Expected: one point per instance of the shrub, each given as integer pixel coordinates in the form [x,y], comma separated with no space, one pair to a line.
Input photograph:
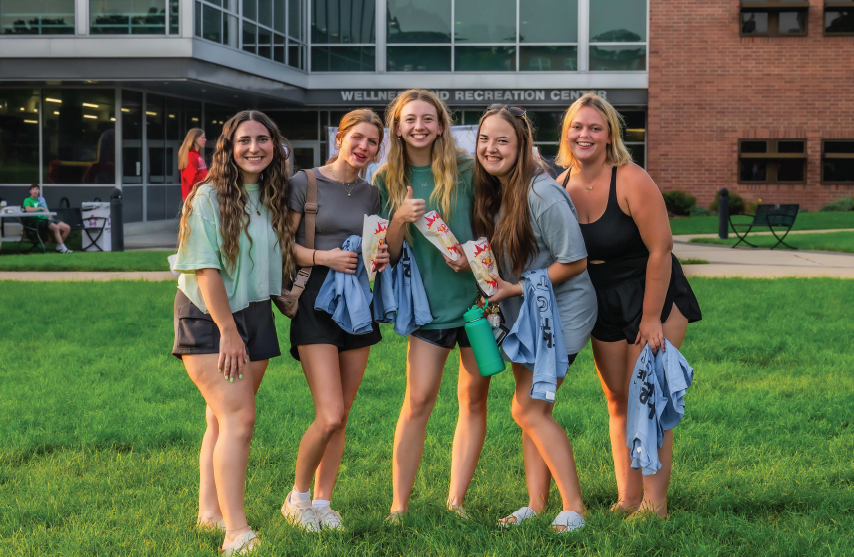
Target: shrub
[678,202]
[697,211]
[844,204]
[736,204]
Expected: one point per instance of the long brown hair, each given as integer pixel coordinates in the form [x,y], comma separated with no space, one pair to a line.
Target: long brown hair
[350,121]
[226,178]
[189,142]
[512,236]
[445,154]
[616,153]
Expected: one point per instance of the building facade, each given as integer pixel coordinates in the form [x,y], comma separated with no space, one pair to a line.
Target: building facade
[96,94]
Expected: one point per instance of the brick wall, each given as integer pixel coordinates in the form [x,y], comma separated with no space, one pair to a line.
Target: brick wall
[708,87]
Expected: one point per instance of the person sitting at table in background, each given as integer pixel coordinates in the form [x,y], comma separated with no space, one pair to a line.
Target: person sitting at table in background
[191,163]
[35,203]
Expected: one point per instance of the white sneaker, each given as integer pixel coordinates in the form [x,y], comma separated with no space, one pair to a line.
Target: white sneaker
[300,514]
[328,518]
[62,249]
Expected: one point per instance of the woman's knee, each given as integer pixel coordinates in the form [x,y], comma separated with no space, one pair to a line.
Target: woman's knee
[332,422]
[525,415]
[618,402]
[472,402]
[212,422]
[419,406]
[240,424]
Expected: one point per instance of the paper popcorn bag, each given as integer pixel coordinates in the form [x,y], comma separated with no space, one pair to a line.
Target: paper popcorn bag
[482,263]
[374,230]
[438,233]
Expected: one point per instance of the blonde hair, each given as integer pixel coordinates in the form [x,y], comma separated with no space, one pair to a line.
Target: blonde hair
[616,153]
[189,141]
[445,154]
[350,121]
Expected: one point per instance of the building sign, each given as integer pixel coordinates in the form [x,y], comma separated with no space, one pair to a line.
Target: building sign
[456,97]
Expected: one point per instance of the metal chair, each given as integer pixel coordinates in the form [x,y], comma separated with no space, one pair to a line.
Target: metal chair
[782,216]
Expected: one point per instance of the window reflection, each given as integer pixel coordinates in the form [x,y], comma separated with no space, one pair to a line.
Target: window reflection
[131,137]
[752,170]
[485,21]
[617,58]
[621,21]
[548,58]
[547,21]
[419,58]
[25,17]
[484,59]
[841,21]
[793,23]
[127,17]
[19,136]
[342,21]
[79,136]
[419,21]
[343,59]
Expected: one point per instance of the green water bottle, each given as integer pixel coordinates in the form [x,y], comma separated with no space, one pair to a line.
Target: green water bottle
[483,344]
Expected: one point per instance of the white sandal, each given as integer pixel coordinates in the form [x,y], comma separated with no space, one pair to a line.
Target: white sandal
[241,546]
[569,519]
[521,515]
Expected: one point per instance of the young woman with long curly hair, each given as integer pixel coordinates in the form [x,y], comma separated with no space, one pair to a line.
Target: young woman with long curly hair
[234,246]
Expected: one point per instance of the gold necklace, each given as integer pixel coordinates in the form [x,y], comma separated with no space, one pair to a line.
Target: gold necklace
[590,188]
[337,179]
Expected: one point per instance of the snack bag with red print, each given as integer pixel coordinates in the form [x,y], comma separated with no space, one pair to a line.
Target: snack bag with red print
[438,233]
[482,263]
[374,229]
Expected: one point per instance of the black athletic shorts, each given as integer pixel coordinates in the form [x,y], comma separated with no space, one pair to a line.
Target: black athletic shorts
[444,338]
[312,326]
[196,332]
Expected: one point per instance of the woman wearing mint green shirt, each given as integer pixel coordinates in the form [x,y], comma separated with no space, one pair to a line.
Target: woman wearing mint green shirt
[234,246]
[424,171]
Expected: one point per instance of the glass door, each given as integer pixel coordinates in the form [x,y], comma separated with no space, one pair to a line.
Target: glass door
[306,154]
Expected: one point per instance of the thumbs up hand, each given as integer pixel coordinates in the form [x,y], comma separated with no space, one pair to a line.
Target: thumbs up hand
[412,209]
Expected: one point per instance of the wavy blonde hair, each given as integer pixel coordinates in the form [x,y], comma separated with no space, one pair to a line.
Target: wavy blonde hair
[616,153]
[189,141]
[227,180]
[445,154]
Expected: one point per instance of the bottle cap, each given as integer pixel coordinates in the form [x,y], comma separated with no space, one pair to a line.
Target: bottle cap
[473,314]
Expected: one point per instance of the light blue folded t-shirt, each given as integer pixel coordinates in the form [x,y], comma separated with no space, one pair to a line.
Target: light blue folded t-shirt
[400,297]
[347,298]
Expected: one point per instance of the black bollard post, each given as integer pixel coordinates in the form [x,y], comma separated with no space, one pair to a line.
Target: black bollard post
[117,234]
[723,214]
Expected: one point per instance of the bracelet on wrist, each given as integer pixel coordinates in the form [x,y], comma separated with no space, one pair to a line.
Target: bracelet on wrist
[313,254]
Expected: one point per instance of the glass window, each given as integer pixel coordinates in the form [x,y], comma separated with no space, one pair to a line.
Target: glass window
[793,23]
[131,137]
[343,59]
[775,20]
[837,162]
[211,24]
[265,12]
[419,21]
[546,125]
[485,58]
[19,136]
[197,20]
[249,37]
[47,17]
[754,23]
[839,21]
[771,160]
[790,170]
[754,146]
[342,22]
[295,19]
[485,21]
[296,125]
[155,129]
[617,58]
[638,153]
[618,21]
[752,170]
[230,30]
[265,43]
[279,48]
[215,117]
[296,55]
[547,21]
[174,11]
[127,17]
[249,11]
[418,58]
[280,12]
[78,134]
[548,58]
[634,125]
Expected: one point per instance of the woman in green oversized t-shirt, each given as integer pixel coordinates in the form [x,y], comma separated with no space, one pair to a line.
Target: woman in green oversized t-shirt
[235,244]
[425,172]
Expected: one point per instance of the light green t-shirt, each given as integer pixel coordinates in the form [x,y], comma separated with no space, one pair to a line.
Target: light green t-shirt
[30,202]
[257,273]
[449,293]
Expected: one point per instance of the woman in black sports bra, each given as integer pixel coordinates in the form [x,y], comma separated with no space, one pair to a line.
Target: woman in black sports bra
[642,293]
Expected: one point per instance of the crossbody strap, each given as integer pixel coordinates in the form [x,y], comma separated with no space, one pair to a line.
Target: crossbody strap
[310,216]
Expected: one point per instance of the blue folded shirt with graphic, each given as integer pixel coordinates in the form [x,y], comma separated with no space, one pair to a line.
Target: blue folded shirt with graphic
[536,338]
[347,298]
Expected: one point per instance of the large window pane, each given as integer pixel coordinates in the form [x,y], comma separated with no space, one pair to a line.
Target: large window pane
[793,23]
[265,42]
[841,21]
[752,170]
[618,21]
[790,170]
[127,17]
[546,124]
[342,21]
[296,55]
[548,59]
[230,30]
[295,19]
[634,125]
[838,170]
[48,17]
[155,129]
[419,21]
[249,37]
[265,12]
[484,59]
[79,138]
[638,153]
[211,24]
[485,21]
[131,137]
[547,21]
[343,59]
[296,125]
[280,11]
[418,58]
[754,23]
[617,58]
[249,11]
[19,137]
[174,18]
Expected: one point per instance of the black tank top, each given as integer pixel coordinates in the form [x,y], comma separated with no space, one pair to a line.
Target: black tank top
[615,239]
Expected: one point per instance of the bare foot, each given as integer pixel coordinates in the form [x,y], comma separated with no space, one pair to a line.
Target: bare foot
[623,507]
[210,523]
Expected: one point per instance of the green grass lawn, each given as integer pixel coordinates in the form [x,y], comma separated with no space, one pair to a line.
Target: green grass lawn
[805,221]
[85,261]
[101,430]
[825,241]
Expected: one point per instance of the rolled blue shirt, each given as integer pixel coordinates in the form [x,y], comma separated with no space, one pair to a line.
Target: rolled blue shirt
[656,403]
[401,297]
[536,338]
[347,298]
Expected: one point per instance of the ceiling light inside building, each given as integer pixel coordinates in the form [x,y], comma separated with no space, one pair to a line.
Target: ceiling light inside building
[90,116]
[31,121]
[125,110]
[90,105]
[50,100]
